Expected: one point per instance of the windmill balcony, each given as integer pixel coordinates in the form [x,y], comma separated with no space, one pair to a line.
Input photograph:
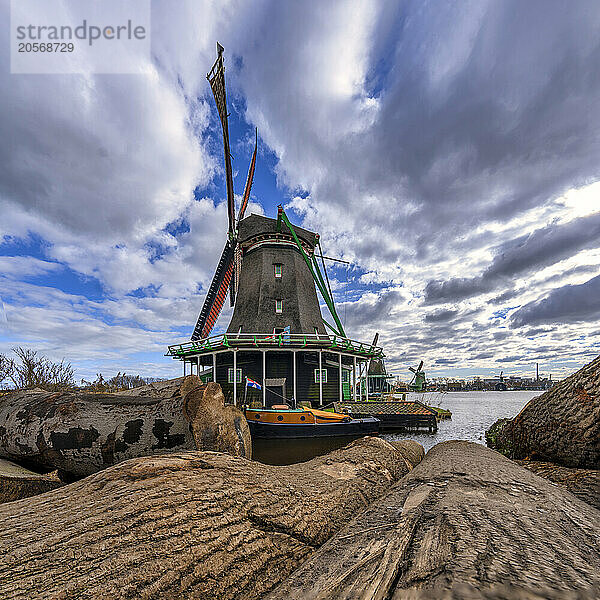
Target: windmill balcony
[284,341]
[290,367]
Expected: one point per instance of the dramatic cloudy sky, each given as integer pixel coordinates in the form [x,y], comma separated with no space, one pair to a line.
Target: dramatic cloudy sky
[449,150]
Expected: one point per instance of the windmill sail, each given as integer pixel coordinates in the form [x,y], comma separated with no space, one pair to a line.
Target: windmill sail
[237,259]
[249,181]
[217,292]
[235,278]
[216,78]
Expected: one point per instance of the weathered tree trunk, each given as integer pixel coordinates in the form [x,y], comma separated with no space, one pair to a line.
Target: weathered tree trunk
[412,451]
[584,483]
[561,426]
[189,525]
[466,518]
[17,483]
[80,434]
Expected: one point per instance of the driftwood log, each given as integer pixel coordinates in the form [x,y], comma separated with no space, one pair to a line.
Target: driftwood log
[584,483]
[560,426]
[17,482]
[412,451]
[79,433]
[188,525]
[465,523]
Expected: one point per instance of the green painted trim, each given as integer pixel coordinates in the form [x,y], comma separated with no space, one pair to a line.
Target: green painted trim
[318,277]
[329,326]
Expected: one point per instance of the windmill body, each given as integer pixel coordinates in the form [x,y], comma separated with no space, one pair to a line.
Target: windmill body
[379,381]
[418,383]
[273,270]
[277,338]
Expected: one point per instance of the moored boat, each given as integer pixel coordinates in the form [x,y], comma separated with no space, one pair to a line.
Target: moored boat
[280,422]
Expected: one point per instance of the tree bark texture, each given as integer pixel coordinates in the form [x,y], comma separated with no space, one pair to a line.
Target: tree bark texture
[561,426]
[412,451]
[17,482]
[466,518]
[80,434]
[186,525]
[584,483]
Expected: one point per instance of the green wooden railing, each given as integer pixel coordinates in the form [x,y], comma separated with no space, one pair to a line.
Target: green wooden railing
[294,341]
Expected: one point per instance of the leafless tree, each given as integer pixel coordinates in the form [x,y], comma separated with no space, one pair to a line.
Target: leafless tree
[32,370]
[6,367]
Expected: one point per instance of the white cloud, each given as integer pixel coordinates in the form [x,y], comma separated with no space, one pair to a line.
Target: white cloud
[422,141]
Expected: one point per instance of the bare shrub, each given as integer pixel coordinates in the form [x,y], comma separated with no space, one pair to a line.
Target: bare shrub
[6,367]
[118,383]
[32,370]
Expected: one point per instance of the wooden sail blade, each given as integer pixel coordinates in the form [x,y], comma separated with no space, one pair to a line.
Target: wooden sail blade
[216,78]
[249,181]
[235,277]
[216,294]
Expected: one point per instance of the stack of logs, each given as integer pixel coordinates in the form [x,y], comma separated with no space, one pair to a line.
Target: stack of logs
[76,434]
[374,520]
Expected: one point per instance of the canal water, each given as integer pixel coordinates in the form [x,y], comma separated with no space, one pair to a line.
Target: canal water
[472,414]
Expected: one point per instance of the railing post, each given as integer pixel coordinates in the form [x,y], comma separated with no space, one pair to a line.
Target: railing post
[235,377]
[264,377]
[354,379]
[340,376]
[294,361]
[214,367]
[320,379]
[360,386]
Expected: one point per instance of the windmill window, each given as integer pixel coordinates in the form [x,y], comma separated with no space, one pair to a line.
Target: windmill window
[345,376]
[323,375]
[230,375]
[278,270]
[278,306]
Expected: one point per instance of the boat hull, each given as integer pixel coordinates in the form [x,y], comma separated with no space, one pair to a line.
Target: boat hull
[351,428]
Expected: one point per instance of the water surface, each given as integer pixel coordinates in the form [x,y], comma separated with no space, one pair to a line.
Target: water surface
[472,414]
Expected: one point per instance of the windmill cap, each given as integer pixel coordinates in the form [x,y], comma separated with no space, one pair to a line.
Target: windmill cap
[257,225]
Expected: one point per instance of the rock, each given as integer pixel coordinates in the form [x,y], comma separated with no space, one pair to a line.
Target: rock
[560,426]
[17,483]
[466,520]
[186,525]
[81,433]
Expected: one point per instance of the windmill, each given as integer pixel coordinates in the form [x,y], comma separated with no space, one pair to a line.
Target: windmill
[227,273]
[501,384]
[417,383]
[378,379]
[277,336]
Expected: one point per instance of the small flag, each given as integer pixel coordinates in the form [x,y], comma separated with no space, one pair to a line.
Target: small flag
[252,384]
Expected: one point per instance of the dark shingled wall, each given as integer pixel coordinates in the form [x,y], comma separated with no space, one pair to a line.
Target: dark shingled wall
[254,309]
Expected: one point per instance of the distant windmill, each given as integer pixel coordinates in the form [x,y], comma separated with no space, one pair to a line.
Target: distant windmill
[417,383]
[501,385]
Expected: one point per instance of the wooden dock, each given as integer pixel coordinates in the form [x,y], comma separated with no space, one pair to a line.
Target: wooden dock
[394,416]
